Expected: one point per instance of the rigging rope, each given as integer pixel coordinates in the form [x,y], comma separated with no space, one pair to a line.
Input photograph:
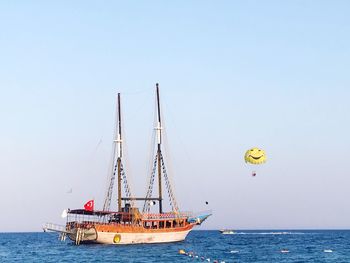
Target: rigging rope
[146,206]
[171,194]
[107,203]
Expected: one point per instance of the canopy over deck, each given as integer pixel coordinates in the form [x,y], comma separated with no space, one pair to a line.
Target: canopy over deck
[92,213]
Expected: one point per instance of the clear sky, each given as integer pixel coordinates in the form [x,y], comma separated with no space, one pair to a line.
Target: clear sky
[233,75]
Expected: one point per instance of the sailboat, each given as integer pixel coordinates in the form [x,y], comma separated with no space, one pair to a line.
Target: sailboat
[129,224]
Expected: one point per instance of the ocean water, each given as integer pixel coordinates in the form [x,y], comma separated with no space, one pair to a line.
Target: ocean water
[202,246]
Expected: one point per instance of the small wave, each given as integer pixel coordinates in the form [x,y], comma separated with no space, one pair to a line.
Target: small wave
[270,233]
[4,254]
[328,251]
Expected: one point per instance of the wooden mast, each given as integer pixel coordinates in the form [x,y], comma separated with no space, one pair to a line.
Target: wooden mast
[159,138]
[119,150]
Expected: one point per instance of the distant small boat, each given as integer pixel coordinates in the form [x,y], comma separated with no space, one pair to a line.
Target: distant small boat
[284,251]
[328,251]
[227,232]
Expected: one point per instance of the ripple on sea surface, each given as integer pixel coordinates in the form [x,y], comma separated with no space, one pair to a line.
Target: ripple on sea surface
[249,246]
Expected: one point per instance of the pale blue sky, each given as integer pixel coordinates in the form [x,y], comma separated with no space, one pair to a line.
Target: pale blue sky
[233,74]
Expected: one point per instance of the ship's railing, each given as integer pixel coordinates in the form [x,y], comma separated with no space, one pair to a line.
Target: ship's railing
[83,218]
[54,228]
[172,215]
[124,216]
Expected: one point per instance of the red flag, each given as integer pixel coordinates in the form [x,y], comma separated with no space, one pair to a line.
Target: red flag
[89,206]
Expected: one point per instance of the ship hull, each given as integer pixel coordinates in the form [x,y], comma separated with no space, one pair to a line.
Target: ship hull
[124,238]
[140,238]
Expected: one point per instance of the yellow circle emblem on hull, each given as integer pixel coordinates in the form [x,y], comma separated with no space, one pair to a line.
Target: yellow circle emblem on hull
[116,239]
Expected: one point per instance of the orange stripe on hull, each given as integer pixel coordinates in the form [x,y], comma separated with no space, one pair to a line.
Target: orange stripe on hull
[118,228]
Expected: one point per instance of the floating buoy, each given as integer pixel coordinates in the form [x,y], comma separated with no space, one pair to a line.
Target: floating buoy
[182,252]
[192,254]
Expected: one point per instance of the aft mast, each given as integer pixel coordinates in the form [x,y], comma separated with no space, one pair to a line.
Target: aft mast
[159,153]
[159,169]
[119,155]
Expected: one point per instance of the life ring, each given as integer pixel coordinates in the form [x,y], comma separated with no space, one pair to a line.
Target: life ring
[117,238]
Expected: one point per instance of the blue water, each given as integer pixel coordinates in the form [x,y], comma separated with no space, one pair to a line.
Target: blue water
[245,246]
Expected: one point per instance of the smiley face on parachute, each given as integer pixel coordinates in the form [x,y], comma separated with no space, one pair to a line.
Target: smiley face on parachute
[255,156]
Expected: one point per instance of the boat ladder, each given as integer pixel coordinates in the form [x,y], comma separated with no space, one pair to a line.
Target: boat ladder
[62,236]
[79,236]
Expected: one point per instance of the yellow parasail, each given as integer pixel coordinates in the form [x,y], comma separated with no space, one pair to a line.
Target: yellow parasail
[255,156]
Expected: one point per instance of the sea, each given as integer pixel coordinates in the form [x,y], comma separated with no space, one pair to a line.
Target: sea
[199,246]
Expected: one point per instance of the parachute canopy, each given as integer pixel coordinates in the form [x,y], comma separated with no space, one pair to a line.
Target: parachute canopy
[255,156]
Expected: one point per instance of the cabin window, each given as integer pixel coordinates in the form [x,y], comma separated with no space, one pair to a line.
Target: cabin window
[147,224]
[161,224]
[155,224]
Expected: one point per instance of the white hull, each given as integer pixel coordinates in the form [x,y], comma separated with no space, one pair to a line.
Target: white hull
[141,238]
[129,238]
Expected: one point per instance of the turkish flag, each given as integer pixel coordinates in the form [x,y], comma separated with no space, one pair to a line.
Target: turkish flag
[89,206]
